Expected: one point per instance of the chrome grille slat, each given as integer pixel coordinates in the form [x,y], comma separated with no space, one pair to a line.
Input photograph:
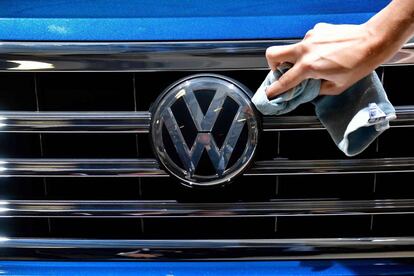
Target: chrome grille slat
[225,249]
[149,167]
[138,122]
[148,56]
[405,118]
[224,243]
[339,166]
[174,209]
[80,167]
[75,122]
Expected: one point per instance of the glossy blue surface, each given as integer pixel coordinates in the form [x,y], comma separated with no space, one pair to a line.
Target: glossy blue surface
[108,20]
[369,267]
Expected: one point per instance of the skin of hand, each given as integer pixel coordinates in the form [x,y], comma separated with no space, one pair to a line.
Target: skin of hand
[340,55]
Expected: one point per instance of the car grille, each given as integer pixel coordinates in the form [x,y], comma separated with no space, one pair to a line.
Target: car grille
[79,179]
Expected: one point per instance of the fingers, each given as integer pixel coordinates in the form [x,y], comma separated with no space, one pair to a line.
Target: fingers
[276,55]
[290,79]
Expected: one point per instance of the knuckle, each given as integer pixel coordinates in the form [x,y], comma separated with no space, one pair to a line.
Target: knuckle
[269,53]
[321,25]
[318,25]
[305,47]
[309,33]
[307,65]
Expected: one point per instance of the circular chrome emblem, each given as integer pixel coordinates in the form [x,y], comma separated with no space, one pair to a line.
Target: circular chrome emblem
[204,129]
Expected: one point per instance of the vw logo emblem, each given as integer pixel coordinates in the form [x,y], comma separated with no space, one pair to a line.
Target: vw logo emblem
[204,129]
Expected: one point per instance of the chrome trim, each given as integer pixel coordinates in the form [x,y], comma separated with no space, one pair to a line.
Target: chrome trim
[150,167]
[147,56]
[134,56]
[173,209]
[245,249]
[337,166]
[281,123]
[405,118]
[75,122]
[80,168]
[139,121]
[164,118]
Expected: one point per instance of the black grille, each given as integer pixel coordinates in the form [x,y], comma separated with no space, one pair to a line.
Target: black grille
[135,92]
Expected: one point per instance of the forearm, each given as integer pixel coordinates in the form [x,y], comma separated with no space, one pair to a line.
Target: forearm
[392,27]
[340,55]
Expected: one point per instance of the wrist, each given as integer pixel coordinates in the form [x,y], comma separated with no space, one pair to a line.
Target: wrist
[394,25]
[379,44]
[386,35]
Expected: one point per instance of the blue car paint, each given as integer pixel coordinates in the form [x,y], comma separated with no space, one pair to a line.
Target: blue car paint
[344,268]
[166,20]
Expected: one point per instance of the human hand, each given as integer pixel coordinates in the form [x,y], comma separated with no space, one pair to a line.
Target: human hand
[339,55]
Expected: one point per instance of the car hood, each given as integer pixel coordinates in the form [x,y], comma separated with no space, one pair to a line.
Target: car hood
[156,20]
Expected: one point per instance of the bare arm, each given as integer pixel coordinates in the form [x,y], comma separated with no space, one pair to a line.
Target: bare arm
[340,55]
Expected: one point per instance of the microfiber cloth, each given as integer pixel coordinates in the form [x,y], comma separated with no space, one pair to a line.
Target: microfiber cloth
[287,101]
[354,119]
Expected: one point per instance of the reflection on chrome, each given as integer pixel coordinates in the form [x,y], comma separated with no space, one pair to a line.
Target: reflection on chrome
[173,209]
[75,122]
[2,121]
[223,249]
[38,167]
[4,208]
[139,121]
[144,56]
[26,65]
[80,167]
[405,118]
[3,166]
[180,93]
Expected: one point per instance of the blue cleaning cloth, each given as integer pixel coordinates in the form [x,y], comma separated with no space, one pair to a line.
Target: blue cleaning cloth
[354,119]
[287,101]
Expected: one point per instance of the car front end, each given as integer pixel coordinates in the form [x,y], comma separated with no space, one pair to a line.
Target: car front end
[129,145]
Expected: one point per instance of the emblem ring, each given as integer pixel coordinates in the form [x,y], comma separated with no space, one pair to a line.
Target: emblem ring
[244,122]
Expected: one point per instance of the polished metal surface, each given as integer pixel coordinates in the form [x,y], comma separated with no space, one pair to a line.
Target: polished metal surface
[134,56]
[147,56]
[80,167]
[336,166]
[223,249]
[139,122]
[75,122]
[405,118]
[37,167]
[164,119]
[174,209]
[281,123]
